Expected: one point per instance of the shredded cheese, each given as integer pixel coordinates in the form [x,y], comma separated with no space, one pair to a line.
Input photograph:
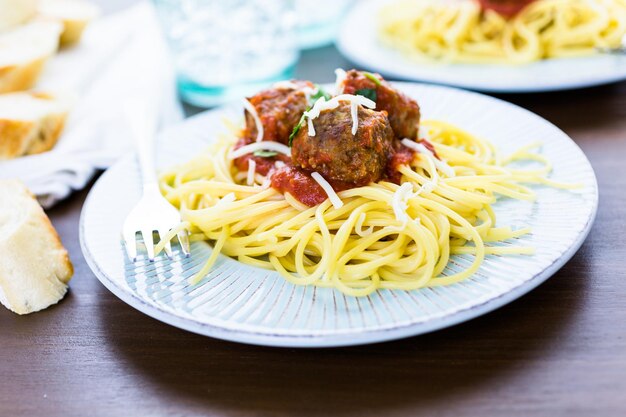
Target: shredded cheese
[257,120]
[321,105]
[251,171]
[290,85]
[286,85]
[441,165]
[423,133]
[328,189]
[227,199]
[340,77]
[399,202]
[308,91]
[260,146]
[354,112]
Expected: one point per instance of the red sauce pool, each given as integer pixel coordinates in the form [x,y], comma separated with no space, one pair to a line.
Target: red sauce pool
[263,164]
[299,184]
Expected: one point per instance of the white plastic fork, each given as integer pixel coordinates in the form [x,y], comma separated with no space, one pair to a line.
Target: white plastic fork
[153,213]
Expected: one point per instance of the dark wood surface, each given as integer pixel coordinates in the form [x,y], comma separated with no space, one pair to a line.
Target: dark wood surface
[558,351]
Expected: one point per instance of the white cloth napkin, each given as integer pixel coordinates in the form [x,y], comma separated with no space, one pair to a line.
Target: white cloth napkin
[121,56]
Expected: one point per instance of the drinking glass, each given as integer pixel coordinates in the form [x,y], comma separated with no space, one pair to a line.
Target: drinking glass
[319,21]
[223,49]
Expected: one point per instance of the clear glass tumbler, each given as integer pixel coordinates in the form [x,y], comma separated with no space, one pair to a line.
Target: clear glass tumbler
[223,49]
[319,21]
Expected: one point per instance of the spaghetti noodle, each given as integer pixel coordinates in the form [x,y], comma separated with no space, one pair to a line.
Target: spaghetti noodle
[384,235]
[462,31]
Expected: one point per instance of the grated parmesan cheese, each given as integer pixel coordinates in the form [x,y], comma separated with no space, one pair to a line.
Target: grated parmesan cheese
[227,199]
[251,172]
[423,133]
[441,165]
[321,104]
[328,189]
[340,77]
[260,146]
[399,202]
[354,112]
[257,120]
[286,85]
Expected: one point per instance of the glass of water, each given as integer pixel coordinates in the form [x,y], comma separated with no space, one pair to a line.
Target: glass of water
[224,49]
[319,21]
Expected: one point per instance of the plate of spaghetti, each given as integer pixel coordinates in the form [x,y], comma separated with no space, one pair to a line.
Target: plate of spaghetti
[350,213]
[490,45]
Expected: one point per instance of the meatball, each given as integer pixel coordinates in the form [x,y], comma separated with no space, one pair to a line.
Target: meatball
[279,109]
[337,154]
[403,112]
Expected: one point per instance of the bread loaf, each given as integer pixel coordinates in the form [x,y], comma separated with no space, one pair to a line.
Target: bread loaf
[23,52]
[30,123]
[34,265]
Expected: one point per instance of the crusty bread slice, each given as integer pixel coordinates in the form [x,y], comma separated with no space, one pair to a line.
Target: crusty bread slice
[16,12]
[30,123]
[74,14]
[34,267]
[24,51]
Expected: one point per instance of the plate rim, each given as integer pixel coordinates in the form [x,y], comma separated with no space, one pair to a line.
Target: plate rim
[342,338]
[342,45]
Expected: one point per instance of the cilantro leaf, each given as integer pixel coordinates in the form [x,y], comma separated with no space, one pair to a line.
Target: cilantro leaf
[265,154]
[367,93]
[372,77]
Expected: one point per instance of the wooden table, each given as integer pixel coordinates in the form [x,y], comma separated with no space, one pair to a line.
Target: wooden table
[558,351]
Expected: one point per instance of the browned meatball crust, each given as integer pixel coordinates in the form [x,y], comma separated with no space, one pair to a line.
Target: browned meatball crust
[340,156]
[279,109]
[403,112]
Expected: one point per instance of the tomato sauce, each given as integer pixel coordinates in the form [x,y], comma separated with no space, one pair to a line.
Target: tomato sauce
[299,184]
[507,8]
[402,156]
[263,163]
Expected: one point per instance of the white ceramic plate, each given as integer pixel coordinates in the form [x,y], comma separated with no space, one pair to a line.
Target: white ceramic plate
[358,41]
[242,303]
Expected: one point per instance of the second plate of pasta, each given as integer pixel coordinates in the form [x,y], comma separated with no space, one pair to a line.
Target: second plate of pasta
[422,40]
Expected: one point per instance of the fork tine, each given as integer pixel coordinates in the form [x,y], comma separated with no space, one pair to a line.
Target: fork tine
[131,246]
[183,238]
[148,240]
[168,246]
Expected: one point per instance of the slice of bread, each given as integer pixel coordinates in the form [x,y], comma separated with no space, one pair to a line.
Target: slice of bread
[74,14]
[30,123]
[34,267]
[16,12]
[24,51]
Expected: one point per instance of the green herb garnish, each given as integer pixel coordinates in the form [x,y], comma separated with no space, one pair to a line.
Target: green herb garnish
[296,129]
[372,77]
[367,93]
[319,93]
[265,154]
[312,99]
